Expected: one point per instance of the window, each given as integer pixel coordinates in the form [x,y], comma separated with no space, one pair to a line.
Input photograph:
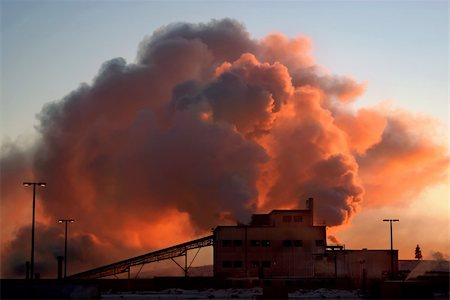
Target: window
[255,243]
[287,243]
[237,264]
[298,218]
[237,243]
[255,264]
[287,219]
[265,243]
[265,264]
[231,243]
[298,243]
[227,243]
[258,243]
[320,243]
[227,264]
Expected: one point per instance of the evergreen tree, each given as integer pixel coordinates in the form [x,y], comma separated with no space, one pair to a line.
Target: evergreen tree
[418,253]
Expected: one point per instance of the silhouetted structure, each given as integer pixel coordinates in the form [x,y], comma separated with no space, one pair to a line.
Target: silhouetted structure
[359,266]
[280,244]
[287,244]
[65,221]
[393,272]
[33,184]
[124,265]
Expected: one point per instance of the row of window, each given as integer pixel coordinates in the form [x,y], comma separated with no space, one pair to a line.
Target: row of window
[232,264]
[289,219]
[239,264]
[260,243]
[232,243]
[293,243]
[266,243]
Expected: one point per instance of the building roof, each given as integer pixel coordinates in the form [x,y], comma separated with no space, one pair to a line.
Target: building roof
[288,210]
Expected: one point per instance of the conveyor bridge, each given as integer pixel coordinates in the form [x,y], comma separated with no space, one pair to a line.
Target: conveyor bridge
[168,253]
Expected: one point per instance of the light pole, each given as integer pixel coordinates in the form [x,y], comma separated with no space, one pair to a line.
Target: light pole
[65,242]
[33,184]
[392,248]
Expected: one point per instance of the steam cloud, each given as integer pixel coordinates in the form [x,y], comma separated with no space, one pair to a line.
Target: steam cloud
[206,127]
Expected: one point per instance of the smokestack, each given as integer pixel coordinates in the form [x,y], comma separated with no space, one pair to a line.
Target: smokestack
[310,205]
[27,270]
[60,263]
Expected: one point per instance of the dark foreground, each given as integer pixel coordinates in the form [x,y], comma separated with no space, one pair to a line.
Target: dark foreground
[209,287]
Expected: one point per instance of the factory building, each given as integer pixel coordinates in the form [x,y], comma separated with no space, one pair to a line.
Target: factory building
[287,244]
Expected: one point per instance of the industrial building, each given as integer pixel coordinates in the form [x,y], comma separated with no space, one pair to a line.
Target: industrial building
[283,244]
[287,244]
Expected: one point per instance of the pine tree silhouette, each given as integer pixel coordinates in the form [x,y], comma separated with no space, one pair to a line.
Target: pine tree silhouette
[418,253]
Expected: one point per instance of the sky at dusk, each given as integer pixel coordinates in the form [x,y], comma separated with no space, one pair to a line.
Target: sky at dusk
[343,101]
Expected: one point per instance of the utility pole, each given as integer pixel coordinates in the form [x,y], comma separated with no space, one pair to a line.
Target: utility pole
[33,184]
[392,246]
[65,243]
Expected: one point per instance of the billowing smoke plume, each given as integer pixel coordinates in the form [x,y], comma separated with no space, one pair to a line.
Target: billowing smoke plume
[206,127]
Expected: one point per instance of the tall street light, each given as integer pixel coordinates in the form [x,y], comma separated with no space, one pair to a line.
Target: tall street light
[392,248]
[65,243]
[33,184]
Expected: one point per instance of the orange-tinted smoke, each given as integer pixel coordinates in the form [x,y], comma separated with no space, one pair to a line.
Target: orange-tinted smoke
[406,160]
[207,127]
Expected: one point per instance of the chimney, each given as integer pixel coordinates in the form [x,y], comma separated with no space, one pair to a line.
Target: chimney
[60,263]
[310,205]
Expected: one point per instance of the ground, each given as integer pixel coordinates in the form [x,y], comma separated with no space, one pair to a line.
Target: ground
[232,294]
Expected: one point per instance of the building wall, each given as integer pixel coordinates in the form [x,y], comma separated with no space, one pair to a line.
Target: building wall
[285,247]
[359,265]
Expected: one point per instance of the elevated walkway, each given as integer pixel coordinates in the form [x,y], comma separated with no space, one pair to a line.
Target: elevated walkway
[168,253]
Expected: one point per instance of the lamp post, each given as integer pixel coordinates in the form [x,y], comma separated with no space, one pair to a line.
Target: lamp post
[33,184]
[65,242]
[392,248]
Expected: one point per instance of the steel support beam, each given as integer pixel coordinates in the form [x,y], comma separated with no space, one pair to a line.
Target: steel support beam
[124,265]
